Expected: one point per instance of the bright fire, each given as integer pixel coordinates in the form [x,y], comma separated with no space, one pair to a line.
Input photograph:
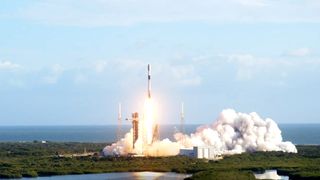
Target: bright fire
[149,119]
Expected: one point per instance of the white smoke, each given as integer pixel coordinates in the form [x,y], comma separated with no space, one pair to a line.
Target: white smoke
[164,147]
[236,133]
[231,133]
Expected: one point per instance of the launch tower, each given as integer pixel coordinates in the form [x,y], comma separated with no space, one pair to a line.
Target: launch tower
[135,127]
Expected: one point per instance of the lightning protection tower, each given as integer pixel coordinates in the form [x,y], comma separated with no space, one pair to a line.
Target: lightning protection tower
[119,128]
[182,118]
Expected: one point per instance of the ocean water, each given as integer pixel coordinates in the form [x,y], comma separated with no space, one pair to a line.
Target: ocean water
[296,133]
[119,176]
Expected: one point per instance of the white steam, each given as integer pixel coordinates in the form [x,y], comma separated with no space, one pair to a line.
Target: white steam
[231,133]
[238,132]
[164,147]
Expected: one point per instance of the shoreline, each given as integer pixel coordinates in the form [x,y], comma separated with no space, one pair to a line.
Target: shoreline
[298,134]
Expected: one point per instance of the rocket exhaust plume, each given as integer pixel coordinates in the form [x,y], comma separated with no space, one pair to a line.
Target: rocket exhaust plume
[231,133]
[234,133]
[145,130]
[150,128]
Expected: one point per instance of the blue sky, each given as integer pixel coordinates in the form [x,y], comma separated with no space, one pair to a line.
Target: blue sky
[70,62]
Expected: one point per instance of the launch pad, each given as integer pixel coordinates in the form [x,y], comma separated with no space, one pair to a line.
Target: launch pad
[145,129]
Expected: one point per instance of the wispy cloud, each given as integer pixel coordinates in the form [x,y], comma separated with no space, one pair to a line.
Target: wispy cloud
[249,66]
[179,74]
[100,66]
[186,75]
[80,78]
[300,52]
[8,65]
[128,12]
[254,3]
[54,74]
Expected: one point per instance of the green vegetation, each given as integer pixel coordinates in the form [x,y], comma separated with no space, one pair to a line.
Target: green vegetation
[36,159]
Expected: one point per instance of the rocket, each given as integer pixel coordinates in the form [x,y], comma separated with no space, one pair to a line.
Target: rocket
[149,81]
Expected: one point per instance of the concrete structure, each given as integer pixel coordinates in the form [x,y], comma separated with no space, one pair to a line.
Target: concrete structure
[135,127]
[187,152]
[201,152]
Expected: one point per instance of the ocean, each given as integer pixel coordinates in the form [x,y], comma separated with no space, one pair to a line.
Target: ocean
[296,133]
[118,176]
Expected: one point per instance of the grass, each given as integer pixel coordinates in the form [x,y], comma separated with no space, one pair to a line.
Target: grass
[36,159]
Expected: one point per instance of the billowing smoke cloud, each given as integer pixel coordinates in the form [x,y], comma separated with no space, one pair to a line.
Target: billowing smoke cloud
[231,133]
[238,132]
[164,147]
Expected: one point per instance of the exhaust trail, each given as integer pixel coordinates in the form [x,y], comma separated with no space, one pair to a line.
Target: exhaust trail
[231,133]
